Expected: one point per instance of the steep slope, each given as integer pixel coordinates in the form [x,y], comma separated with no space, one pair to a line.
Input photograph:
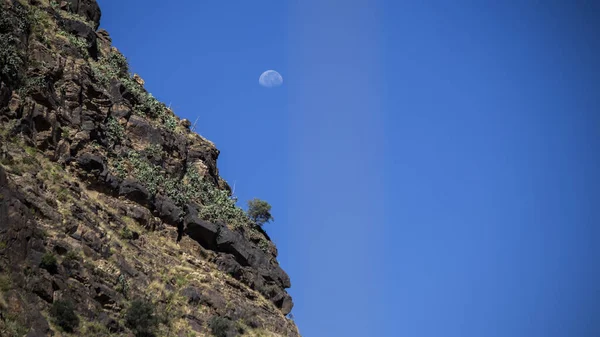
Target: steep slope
[109,202]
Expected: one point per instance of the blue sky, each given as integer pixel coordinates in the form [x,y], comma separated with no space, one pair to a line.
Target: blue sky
[432,166]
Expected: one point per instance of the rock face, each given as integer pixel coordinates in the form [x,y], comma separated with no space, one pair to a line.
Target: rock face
[106,196]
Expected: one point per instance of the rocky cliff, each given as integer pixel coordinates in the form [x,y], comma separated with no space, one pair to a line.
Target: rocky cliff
[109,200]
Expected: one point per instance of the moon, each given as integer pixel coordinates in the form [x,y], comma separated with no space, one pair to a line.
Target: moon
[270,79]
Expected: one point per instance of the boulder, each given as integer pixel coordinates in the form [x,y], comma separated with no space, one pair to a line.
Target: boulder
[91,163]
[203,232]
[132,189]
[167,210]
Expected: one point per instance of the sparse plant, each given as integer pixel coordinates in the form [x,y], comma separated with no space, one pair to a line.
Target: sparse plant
[72,256]
[79,43]
[114,131]
[154,151]
[64,315]
[126,233]
[94,329]
[220,326]
[41,25]
[49,262]
[32,84]
[263,245]
[259,211]
[170,122]
[114,65]
[62,195]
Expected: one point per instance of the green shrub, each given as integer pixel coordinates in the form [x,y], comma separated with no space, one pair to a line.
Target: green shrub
[49,262]
[259,211]
[263,244]
[140,318]
[126,233]
[41,25]
[146,105]
[13,25]
[220,326]
[72,256]
[64,315]
[154,151]
[170,122]
[112,66]
[5,283]
[114,131]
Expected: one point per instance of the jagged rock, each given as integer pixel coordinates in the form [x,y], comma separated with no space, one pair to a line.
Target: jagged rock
[104,41]
[89,9]
[143,133]
[140,214]
[62,151]
[41,285]
[205,296]
[112,182]
[84,31]
[61,248]
[185,123]
[138,79]
[134,191]
[167,210]
[16,227]
[228,264]
[195,323]
[120,110]
[91,163]
[105,296]
[203,232]
[192,294]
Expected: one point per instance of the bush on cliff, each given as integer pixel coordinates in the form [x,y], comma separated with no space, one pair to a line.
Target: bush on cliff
[259,211]
[140,318]
[64,315]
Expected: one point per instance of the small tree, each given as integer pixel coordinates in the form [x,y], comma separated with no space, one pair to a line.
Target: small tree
[64,315]
[259,211]
[140,318]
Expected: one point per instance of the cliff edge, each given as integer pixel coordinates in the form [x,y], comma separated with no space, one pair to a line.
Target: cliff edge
[114,220]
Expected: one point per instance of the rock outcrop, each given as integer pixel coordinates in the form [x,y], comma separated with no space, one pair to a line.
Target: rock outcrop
[106,196]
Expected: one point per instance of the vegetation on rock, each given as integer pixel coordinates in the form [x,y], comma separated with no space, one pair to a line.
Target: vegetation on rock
[141,319]
[49,262]
[64,315]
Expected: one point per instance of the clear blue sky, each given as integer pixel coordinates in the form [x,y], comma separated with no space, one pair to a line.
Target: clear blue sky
[433,166]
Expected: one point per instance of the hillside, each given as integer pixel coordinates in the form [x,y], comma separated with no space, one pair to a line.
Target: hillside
[114,220]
